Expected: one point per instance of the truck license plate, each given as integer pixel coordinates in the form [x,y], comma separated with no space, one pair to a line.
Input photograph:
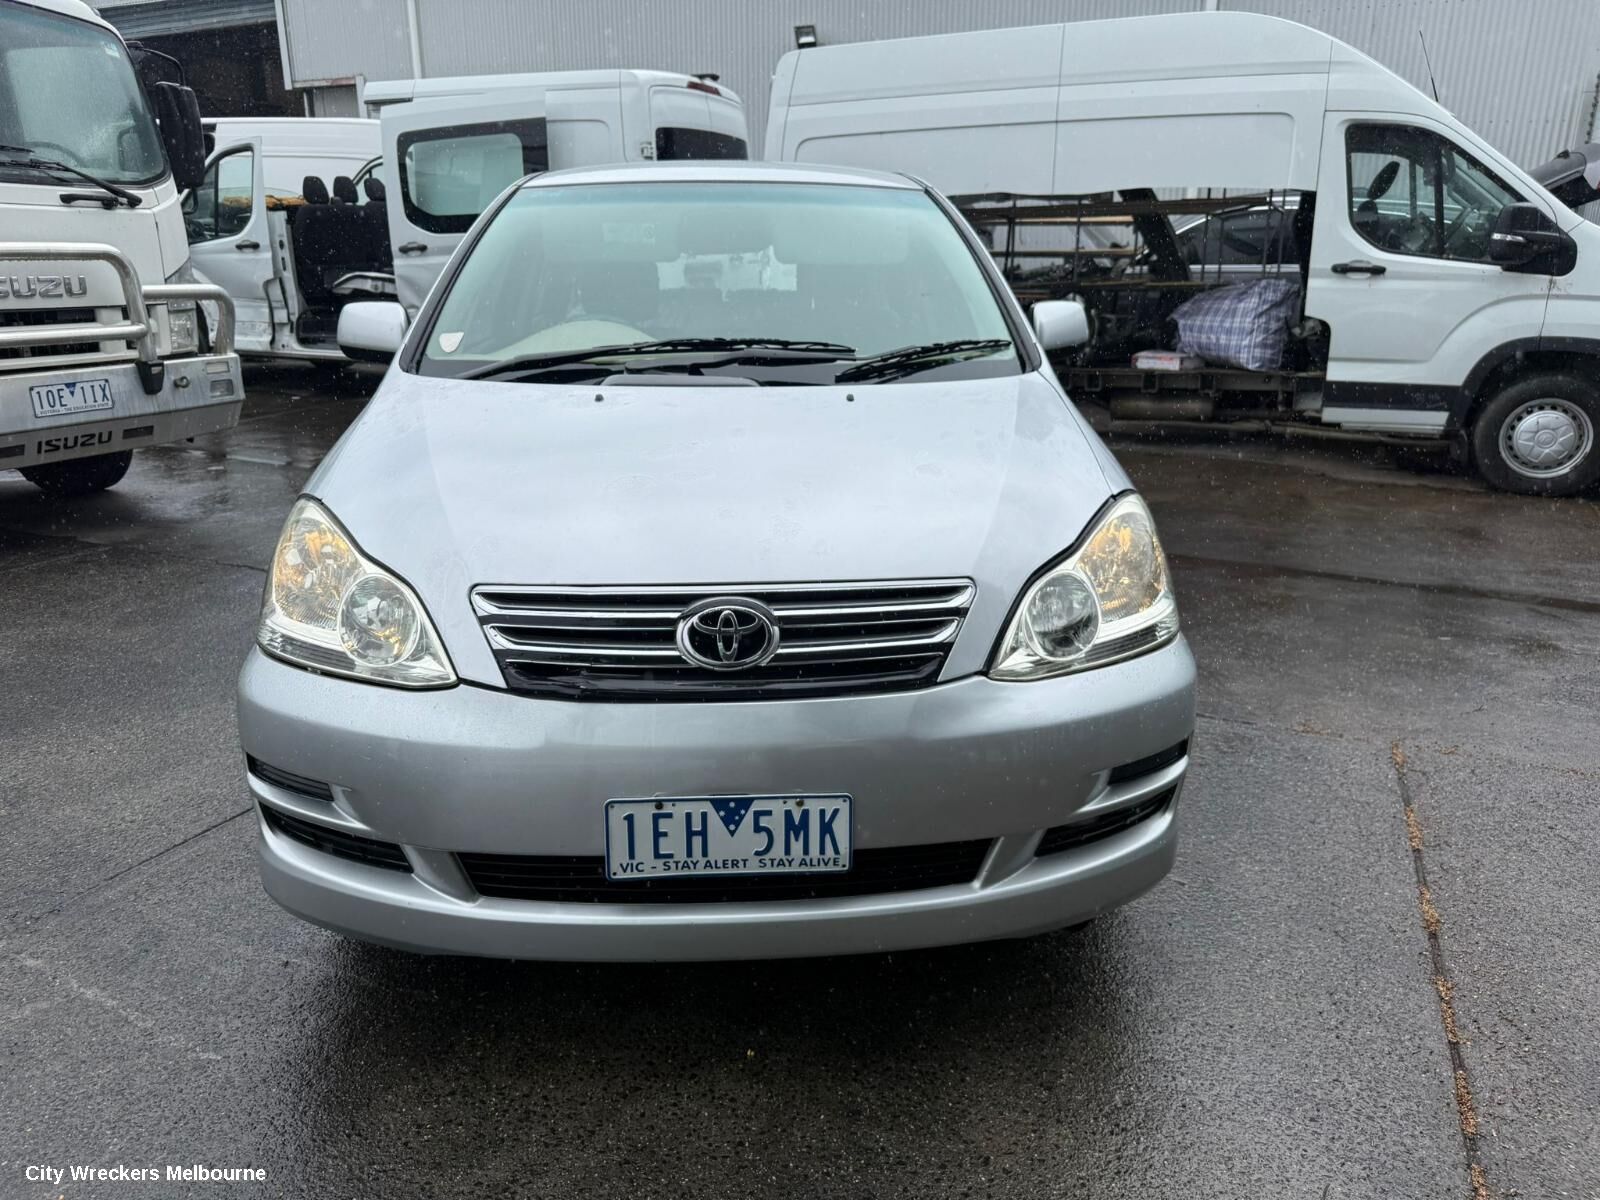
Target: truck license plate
[727,835]
[59,399]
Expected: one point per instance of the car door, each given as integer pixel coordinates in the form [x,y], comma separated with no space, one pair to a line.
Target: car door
[225,219]
[1400,270]
[444,161]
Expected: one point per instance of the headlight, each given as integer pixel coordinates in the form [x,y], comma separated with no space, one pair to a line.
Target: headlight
[183,328]
[183,322]
[330,608]
[1108,600]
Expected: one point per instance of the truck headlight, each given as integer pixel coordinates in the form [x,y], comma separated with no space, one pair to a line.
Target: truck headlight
[183,329]
[330,608]
[1108,600]
[183,321]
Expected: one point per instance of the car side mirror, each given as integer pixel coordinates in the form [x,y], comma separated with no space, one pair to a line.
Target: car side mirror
[182,135]
[371,330]
[1524,237]
[1059,324]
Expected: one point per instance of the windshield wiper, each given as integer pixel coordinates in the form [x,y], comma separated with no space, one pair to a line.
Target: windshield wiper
[910,359]
[34,163]
[730,350]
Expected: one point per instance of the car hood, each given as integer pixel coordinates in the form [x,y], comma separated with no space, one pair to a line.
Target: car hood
[456,483]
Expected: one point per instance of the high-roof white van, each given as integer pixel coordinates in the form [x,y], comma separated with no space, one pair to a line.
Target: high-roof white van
[1429,287]
[451,145]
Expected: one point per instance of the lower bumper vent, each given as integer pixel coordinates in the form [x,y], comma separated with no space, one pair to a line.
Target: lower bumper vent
[300,785]
[1081,833]
[336,841]
[582,879]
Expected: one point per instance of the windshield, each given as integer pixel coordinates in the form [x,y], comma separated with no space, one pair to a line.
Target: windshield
[68,92]
[866,270]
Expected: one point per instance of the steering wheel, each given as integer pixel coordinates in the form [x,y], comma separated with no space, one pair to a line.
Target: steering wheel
[1457,227]
[1415,236]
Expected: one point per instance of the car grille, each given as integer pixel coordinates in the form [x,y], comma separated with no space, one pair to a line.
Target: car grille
[35,317]
[582,878]
[620,644]
[1081,833]
[336,841]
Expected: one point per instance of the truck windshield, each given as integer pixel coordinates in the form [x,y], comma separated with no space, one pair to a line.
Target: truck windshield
[821,278]
[68,92]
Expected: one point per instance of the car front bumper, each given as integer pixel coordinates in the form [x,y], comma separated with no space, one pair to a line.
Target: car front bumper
[478,770]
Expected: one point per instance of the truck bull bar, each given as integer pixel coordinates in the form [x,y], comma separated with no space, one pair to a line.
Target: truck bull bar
[138,328]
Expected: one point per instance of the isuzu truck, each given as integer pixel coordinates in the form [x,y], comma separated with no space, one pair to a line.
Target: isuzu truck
[103,349]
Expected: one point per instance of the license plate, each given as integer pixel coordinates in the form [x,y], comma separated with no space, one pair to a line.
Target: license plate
[58,399]
[727,835]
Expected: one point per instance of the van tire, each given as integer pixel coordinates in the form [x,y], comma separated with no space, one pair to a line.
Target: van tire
[1540,436]
[79,476]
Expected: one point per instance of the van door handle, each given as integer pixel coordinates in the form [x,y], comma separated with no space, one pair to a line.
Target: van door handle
[411,247]
[1359,266]
[247,246]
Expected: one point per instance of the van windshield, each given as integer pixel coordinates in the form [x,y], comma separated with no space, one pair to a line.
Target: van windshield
[824,277]
[68,93]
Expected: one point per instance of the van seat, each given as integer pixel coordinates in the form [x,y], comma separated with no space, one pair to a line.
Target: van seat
[344,190]
[314,190]
[330,241]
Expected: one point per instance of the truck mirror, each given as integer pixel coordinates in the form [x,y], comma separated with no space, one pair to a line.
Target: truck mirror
[178,114]
[1059,324]
[1522,235]
[371,330]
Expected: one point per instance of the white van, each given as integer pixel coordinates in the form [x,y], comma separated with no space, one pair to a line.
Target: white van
[289,221]
[1436,290]
[450,146]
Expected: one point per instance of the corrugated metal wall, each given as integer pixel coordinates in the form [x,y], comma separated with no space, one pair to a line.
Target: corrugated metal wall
[1522,73]
[1519,73]
[340,39]
[158,18]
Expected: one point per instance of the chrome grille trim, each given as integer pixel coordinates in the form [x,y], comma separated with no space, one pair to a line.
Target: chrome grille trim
[618,643]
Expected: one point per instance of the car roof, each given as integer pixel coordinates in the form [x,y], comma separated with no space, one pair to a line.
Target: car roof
[722,171]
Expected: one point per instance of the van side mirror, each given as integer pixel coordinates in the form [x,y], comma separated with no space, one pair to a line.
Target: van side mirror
[1059,324]
[178,115]
[1526,239]
[371,330]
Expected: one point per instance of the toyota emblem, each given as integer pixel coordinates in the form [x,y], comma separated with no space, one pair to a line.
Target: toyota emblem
[727,633]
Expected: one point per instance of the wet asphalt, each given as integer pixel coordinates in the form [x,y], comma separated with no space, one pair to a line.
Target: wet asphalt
[1288,1015]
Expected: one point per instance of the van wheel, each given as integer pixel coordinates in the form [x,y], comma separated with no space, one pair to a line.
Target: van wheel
[1536,436]
[80,476]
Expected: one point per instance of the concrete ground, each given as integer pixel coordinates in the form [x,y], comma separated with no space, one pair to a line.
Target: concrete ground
[1373,974]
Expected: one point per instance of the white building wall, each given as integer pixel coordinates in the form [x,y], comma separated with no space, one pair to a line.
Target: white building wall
[1522,73]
